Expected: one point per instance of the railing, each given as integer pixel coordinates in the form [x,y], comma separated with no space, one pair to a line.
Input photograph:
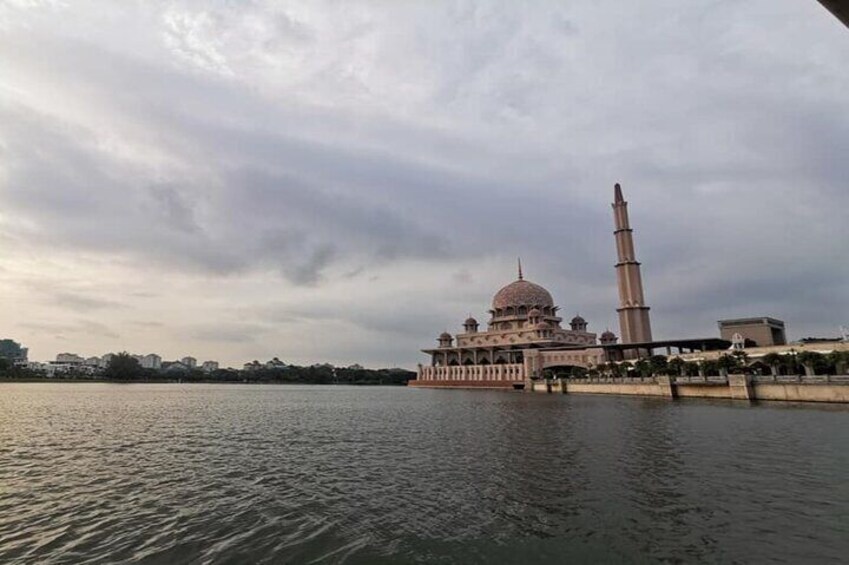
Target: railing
[718,379]
[811,379]
[506,372]
[611,380]
[714,379]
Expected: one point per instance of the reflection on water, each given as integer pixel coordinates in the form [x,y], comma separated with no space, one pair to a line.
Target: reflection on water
[204,473]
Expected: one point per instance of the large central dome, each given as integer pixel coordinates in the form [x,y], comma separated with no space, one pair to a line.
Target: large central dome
[522,293]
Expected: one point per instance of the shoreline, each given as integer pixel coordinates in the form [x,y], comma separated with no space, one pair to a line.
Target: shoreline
[204,382]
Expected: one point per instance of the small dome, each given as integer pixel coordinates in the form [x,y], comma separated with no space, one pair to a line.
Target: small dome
[445,335]
[534,313]
[543,326]
[578,320]
[522,293]
[470,322]
[607,334]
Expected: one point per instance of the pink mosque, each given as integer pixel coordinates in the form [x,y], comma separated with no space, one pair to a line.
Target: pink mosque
[525,335]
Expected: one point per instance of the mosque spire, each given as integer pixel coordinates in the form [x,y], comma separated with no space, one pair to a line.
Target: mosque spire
[634,323]
[521,278]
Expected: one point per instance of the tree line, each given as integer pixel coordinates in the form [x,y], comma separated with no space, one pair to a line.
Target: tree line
[806,362]
[123,367]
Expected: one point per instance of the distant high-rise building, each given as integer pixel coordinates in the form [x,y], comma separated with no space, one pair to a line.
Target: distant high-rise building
[189,362]
[13,351]
[634,324]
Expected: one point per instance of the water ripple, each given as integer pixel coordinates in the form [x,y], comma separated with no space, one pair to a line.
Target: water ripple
[95,473]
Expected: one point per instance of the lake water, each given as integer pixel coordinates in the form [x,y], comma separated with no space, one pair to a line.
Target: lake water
[93,473]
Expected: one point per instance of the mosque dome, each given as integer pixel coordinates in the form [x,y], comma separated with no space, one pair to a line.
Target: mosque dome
[470,322]
[445,335]
[522,293]
[578,320]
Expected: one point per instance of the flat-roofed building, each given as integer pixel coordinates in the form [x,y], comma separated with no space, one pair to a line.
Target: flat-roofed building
[759,332]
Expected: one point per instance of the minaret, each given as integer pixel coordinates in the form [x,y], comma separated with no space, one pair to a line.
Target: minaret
[634,324]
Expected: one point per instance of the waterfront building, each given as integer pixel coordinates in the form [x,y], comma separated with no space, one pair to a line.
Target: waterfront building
[758,332]
[524,337]
[189,362]
[209,366]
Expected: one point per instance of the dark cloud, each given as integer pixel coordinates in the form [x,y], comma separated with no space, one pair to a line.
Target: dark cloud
[336,144]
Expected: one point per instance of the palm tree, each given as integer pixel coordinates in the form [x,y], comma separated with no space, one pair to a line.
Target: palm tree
[658,364]
[741,356]
[726,363]
[809,360]
[677,366]
[840,359]
[774,361]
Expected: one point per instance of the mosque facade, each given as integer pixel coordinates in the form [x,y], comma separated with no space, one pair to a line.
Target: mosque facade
[525,333]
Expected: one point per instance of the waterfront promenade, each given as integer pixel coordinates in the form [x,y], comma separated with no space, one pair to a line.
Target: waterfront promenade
[793,388]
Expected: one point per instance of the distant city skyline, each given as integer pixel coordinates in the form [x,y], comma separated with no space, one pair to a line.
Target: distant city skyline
[331,182]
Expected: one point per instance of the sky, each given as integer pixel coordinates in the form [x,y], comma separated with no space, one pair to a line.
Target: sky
[341,181]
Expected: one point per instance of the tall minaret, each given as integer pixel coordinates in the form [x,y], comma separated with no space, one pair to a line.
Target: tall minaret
[634,325]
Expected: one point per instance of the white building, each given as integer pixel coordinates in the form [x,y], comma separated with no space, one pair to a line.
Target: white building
[104,361]
[71,359]
[209,366]
[189,362]
[151,361]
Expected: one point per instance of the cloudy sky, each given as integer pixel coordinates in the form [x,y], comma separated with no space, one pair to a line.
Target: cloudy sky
[342,181]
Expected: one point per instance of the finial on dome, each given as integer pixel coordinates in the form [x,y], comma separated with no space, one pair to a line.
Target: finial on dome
[521,278]
[617,193]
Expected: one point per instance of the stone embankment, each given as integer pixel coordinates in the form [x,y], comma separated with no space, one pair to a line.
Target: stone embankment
[738,387]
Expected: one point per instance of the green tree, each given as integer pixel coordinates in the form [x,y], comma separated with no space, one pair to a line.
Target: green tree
[727,363]
[658,365]
[839,360]
[774,361]
[741,356]
[643,367]
[709,367]
[123,367]
[810,360]
[577,372]
[677,366]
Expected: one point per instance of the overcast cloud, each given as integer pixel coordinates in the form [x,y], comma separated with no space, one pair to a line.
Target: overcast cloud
[342,181]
